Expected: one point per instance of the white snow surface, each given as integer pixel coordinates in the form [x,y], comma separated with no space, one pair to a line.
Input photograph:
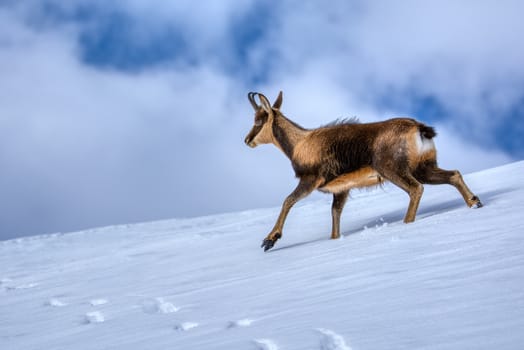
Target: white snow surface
[453,279]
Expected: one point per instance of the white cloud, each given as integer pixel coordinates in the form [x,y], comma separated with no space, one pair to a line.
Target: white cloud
[464,53]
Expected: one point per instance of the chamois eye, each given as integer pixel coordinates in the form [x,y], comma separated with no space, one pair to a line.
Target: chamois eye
[258,122]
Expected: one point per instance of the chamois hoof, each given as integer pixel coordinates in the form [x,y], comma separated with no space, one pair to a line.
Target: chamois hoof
[269,243]
[477,203]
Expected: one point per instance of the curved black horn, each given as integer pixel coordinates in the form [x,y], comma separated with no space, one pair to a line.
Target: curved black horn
[251,97]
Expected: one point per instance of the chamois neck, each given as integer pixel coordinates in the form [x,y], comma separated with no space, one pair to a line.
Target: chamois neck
[287,134]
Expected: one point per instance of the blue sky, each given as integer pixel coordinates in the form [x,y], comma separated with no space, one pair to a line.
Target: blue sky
[127,111]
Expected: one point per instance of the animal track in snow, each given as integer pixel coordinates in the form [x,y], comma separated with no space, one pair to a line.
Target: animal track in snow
[8,286]
[158,306]
[94,317]
[332,341]
[245,322]
[96,302]
[265,344]
[185,326]
[26,286]
[55,303]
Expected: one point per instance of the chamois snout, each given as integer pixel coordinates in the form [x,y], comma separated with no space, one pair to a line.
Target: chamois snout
[250,139]
[250,143]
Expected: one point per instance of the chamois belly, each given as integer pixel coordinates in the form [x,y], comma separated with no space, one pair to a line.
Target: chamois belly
[363,177]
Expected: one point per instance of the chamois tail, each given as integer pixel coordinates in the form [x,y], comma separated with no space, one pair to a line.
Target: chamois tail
[427,132]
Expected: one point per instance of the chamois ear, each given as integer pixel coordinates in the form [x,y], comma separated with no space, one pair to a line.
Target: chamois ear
[278,101]
[265,104]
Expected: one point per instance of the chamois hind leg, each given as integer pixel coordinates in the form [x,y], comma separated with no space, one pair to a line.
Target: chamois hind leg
[339,199]
[430,173]
[304,188]
[408,183]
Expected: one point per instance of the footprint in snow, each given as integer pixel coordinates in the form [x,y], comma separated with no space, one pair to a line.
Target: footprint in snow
[185,326]
[158,306]
[55,303]
[97,302]
[21,286]
[265,344]
[331,340]
[245,322]
[94,317]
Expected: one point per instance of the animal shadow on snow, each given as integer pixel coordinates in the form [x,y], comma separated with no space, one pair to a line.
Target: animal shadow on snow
[293,245]
[426,209]
[398,215]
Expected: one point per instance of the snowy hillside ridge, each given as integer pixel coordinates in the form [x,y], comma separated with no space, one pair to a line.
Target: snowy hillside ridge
[450,280]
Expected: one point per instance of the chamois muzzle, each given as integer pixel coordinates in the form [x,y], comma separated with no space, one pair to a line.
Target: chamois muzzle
[249,139]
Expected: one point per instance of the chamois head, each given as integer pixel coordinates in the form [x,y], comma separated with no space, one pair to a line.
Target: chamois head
[261,132]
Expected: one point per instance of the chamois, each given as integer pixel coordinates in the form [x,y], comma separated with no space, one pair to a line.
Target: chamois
[347,154]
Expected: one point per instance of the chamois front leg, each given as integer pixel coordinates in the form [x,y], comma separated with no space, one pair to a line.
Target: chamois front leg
[305,187]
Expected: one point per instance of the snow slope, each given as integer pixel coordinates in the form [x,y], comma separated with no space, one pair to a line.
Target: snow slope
[454,279]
